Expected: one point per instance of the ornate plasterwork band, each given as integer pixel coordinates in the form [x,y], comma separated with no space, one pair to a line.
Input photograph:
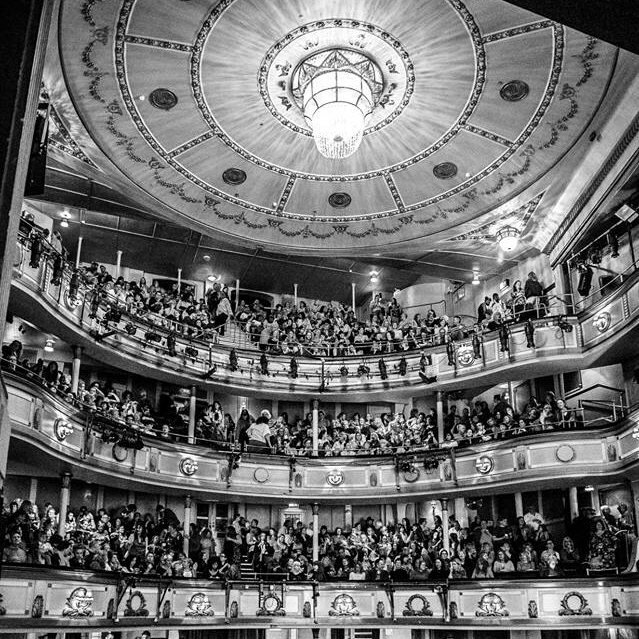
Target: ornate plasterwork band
[211,203]
[478,85]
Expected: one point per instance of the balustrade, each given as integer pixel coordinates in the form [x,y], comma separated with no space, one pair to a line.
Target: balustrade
[50,424]
[56,599]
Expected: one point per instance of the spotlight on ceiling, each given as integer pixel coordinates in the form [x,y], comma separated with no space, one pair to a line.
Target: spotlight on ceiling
[48,346]
[508,238]
[65,214]
[374,277]
[206,258]
[64,224]
[213,278]
[475,278]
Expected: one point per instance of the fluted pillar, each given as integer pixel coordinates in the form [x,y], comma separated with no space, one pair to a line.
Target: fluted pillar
[440,416]
[192,410]
[75,368]
[348,516]
[315,427]
[519,505]
[78,252]
[445,524]
[118,263]
[187,524]
[65,498]
[316,532]
[574,502]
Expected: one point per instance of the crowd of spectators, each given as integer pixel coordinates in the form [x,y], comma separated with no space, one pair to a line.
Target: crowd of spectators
[128,541]
[353,434]
[308,329]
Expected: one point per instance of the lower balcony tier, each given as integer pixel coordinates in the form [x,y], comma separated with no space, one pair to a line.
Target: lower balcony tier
[44,599]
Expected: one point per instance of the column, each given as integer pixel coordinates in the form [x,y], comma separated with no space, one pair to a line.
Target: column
[594,500]
[316,532]
[353,285]
[519,505]
[33,490]
[295,294]
[99,498]
[574,502]
[315,427]
[65,498]
[511,396]
[494,515]
[179,279]
[118,263]
[187,524]
[445,524]
[540,506]
[348,516]
[75,368]
[461,512]
[192,409]
[440,416]
[78,251]
[401,511]
[237,293]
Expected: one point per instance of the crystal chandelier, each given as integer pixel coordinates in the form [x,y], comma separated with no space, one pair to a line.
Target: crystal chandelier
[337,90]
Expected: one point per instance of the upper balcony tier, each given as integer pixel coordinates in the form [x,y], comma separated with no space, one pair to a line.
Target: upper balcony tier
[52,434]
[528,349]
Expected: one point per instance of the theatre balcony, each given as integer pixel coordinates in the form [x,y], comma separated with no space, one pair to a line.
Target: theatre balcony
[50,600]
[544,343]
[48,432]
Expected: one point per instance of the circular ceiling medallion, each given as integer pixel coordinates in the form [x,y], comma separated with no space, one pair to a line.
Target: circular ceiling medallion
[514,91]
[279,78]
[565,453]
[163,99]
[445,170]
[234,176]
[339,200]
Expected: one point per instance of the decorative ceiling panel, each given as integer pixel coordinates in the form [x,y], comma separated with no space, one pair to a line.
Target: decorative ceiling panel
[193,103]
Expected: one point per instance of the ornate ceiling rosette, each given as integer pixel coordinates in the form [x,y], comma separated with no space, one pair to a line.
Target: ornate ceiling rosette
[463,124]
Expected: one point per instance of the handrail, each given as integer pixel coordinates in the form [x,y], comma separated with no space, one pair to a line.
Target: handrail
[98,419]
[185,329]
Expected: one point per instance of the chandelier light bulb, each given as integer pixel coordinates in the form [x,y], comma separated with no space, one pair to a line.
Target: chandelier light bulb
[508,238]
[475,278]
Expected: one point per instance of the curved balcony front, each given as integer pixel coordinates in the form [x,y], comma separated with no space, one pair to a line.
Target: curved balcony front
[53,434]
[52,600]
[561,342]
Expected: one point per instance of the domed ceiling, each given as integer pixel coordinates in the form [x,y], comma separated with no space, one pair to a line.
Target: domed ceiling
[194,103]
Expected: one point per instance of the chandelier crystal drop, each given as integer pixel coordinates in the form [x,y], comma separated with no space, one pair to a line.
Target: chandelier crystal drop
[337,89]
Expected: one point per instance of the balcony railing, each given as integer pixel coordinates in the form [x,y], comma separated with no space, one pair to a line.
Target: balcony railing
[67,599]
[185,358]
[50,424]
